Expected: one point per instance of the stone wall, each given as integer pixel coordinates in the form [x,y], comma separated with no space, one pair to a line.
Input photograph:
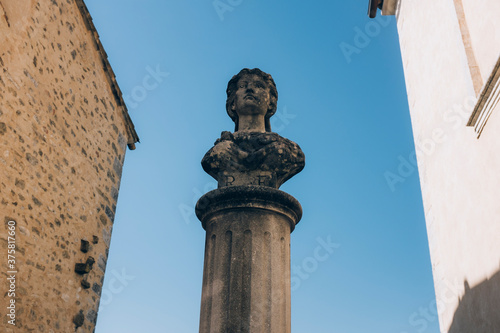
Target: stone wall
[459,170]
[64,130]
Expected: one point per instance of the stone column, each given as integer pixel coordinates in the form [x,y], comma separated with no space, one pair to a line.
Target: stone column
[246,278]
[248,221]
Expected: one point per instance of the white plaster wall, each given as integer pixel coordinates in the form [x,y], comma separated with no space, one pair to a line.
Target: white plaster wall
[459,174]
[483,20]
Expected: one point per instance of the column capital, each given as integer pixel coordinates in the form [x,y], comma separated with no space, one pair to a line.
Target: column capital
[248,197]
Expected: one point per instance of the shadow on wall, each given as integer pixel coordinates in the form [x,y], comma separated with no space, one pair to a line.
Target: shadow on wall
[479,309]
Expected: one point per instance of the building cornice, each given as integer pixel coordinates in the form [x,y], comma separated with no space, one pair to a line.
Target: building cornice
[487,101]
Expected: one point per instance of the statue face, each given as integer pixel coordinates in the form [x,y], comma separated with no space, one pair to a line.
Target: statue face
[252,96]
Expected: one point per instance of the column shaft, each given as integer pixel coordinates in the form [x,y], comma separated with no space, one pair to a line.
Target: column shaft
[246,276]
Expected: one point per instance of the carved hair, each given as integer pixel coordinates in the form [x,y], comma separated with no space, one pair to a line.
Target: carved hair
[231,95]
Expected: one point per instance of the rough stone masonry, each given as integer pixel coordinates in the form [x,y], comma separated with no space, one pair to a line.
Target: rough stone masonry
[248,221]
[64,130]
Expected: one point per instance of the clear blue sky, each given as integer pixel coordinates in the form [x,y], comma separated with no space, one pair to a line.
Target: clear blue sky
[342,98]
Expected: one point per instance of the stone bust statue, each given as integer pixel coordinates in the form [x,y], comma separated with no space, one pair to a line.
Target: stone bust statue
[253,154]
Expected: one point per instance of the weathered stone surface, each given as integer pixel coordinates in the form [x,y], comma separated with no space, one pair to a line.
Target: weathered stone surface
[253,158]
[251,100]
[79,319]
[248,221]
[84,268]
[64,130]
[248,197]
[246,276]
[84,246]
[85,284]
[252,155]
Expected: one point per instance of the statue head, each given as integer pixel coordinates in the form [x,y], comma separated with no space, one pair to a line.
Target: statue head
[232,87]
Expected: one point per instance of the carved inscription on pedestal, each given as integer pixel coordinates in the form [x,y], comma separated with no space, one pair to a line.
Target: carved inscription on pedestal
[260,178]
